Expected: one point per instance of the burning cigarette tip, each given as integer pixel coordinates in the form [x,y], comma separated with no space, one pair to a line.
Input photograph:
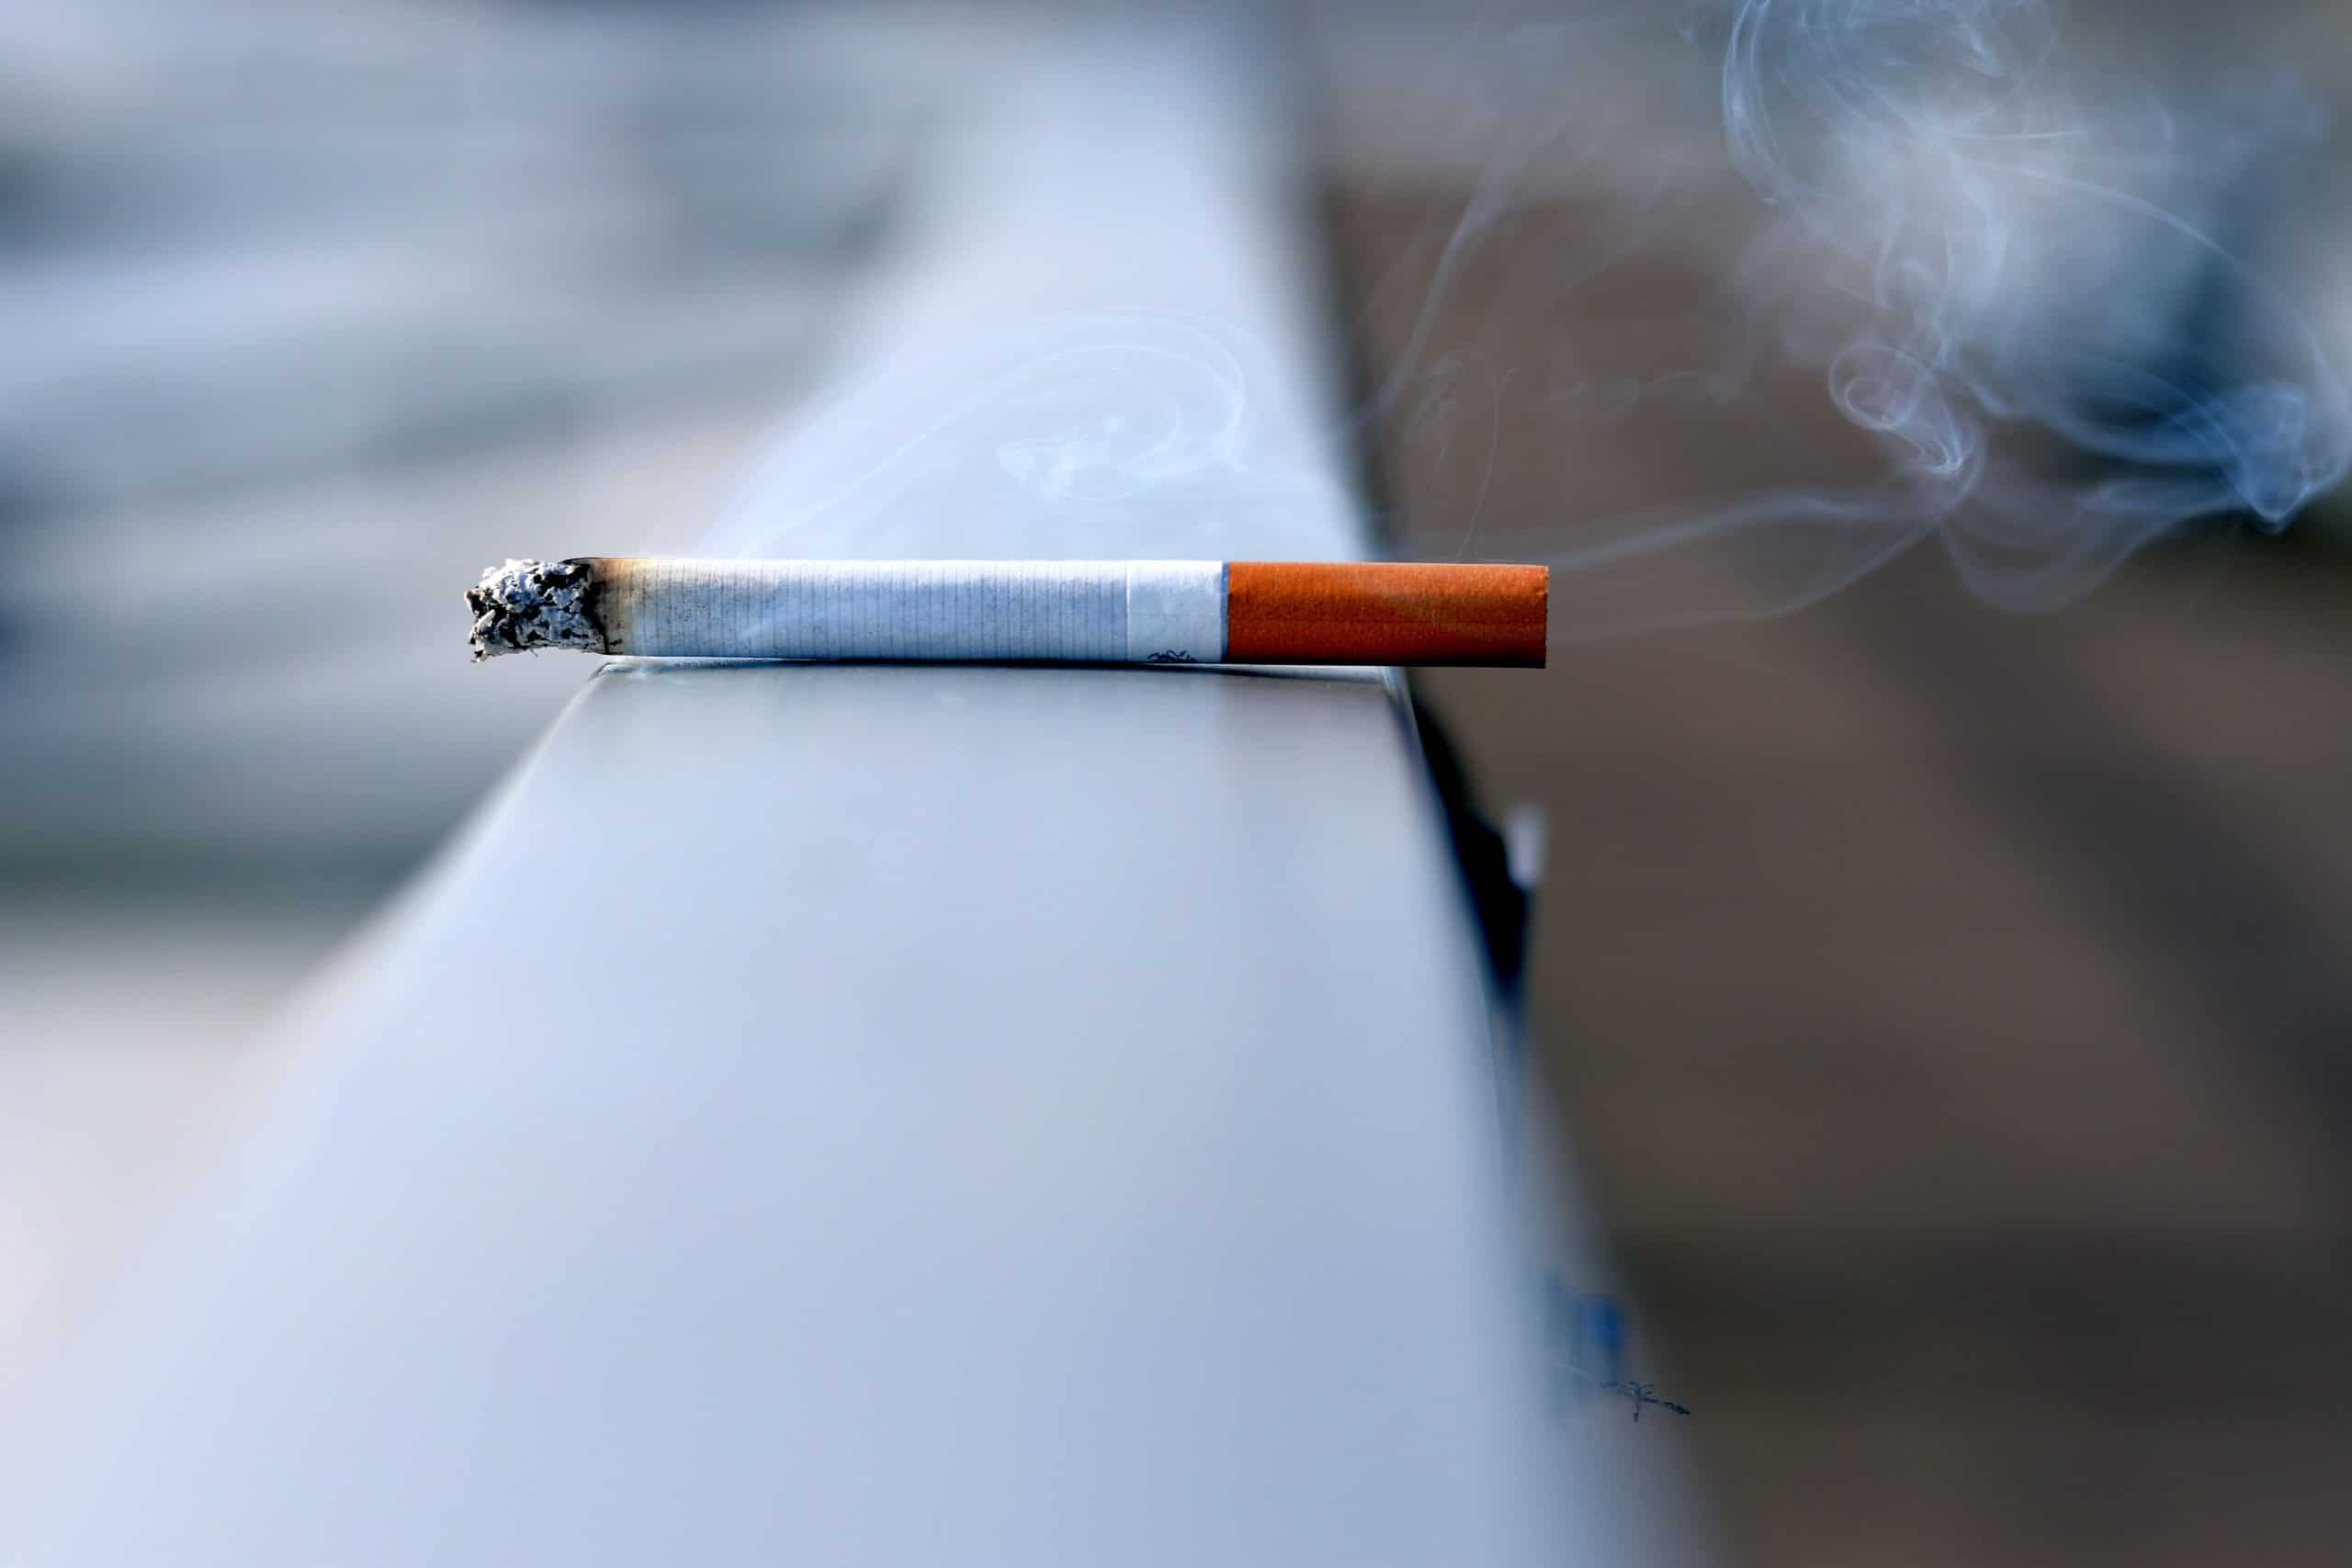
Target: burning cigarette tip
[527,605]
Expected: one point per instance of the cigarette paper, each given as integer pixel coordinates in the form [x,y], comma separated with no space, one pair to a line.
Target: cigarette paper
[1140,612]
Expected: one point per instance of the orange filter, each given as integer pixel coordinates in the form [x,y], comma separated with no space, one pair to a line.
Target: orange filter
[1383,612]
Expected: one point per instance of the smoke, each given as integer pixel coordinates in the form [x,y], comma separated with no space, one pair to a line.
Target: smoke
[1036,440]
[2014,269]
[2013,265]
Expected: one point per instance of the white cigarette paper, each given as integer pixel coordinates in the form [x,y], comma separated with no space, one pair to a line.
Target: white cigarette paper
[1117,612]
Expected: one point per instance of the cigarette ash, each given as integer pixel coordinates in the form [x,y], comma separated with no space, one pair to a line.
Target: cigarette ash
[527,605]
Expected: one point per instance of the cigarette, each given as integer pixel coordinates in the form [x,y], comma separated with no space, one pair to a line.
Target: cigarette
[1138,611]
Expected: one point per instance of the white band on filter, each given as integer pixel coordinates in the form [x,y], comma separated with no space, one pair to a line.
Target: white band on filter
[1176,611]
[1079,611]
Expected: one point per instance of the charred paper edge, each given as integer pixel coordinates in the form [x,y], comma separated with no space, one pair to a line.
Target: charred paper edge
[529,604]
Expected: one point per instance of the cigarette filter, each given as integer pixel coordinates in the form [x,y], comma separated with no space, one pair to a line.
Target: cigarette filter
[1142,612]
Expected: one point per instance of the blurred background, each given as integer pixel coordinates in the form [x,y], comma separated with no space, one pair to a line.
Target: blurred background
[1943,980]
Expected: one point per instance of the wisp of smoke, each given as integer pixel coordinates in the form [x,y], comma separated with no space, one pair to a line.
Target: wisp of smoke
[2008,261]
[1036,440]
[1984,245]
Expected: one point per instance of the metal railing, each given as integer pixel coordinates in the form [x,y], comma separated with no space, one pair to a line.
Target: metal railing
[902,1113]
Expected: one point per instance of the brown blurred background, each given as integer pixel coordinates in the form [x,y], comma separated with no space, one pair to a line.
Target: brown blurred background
[1951,1011]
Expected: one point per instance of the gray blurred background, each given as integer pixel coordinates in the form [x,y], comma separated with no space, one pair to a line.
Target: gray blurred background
[1948,1008]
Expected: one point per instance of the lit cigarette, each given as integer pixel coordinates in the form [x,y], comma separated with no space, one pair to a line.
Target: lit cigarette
[1156,611]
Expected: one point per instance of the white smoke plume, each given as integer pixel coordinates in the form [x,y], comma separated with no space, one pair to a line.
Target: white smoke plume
[2014,262]
[2020,263]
